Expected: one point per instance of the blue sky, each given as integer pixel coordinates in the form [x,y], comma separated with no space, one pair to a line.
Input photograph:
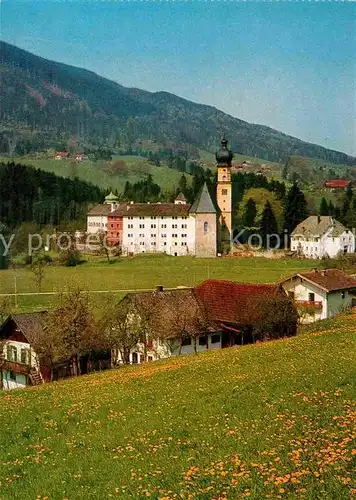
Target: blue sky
[291,66]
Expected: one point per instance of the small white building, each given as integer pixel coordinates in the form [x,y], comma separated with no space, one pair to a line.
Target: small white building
[97,217]
[321,294]
[322,236]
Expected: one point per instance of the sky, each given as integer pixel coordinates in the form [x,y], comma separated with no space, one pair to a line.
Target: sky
[288,65]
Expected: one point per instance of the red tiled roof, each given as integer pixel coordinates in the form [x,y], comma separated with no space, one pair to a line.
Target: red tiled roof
[62,153]
[330,279]
[234,302]
[337,183]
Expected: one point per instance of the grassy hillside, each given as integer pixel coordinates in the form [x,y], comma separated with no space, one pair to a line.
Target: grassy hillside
[102,174]
[273,420]
[145,271]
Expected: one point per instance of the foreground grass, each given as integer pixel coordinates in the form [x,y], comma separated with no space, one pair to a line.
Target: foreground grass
[272,420]
[144,272]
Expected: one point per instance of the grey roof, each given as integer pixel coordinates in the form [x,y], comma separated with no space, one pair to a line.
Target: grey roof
[103,209]
[181,197]
[151,209]
[203,203]
[318,225]
[30,324]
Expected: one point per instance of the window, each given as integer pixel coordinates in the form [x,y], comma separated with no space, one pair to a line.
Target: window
[186,341]
[153,235]
[25,356]
[343,295]
[12,376]
[215,339]
[163,235]
[141,218]
[153,217]
[174,226]
[312,297]
[153,226]
[142,243]
[203,340]
[142,226]
[153,243]
[165,244]
[224,192]
[112,225]
[291,295]
[11,353]
[206,225]
[175,244]
[164,226]
[184,226]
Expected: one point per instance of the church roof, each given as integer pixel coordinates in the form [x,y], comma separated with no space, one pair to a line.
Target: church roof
[203,204]
[224,156]
[111,197]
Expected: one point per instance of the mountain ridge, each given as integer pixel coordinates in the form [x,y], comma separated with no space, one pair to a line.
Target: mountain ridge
[46,102]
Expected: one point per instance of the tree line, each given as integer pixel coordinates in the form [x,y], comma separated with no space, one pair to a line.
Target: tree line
[28,194]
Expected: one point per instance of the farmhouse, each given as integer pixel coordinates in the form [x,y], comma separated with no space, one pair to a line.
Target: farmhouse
[22,339]
[321,294]
[213,315]
[19,363]
[322,236]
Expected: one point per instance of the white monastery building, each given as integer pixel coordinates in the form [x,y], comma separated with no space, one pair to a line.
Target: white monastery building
[173,228]
[322,236]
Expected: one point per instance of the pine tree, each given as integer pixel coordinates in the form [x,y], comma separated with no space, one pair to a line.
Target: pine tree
[250,213]
[324,207]
[295,208]
[269,224]
[331,208]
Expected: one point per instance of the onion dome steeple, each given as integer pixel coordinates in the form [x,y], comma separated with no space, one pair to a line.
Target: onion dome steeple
[224,155]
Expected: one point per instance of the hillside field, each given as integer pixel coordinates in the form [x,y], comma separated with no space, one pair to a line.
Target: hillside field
[144,271]
[271,420]
[100,173]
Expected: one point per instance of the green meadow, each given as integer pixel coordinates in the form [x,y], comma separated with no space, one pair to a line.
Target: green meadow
[142,272]
[272,420]
[101,173]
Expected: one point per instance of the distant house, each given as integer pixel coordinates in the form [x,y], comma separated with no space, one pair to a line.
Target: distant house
[213,315]
[80,157]
[61,155]
[322,236]
[321,294]
[337,184]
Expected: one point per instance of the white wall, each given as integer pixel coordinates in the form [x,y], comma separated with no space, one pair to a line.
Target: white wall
[96,223]
[166,349]
[159,234]
[301,293]
[19,383]
[21,379]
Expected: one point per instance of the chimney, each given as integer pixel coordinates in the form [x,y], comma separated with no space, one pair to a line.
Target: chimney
[159,288]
